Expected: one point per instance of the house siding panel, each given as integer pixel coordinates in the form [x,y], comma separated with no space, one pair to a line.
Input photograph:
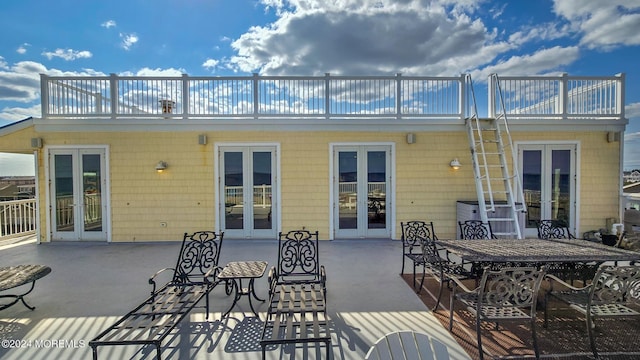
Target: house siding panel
[425,186]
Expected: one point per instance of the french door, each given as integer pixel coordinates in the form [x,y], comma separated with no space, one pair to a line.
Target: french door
[78,194]
[549,183]
[247,188]
[361,198]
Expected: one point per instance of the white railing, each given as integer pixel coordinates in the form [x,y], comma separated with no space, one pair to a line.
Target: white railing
[558,97]
[329,96]
[17,218]
[252,97]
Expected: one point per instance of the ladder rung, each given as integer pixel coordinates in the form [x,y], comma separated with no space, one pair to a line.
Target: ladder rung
[501,219]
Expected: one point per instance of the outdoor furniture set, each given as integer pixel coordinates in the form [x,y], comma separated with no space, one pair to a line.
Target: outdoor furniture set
[296,294]
[508,274]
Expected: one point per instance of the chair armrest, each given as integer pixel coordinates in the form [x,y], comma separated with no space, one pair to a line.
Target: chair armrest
[323,277]
[272,279]
[458,283]
[212,273]
[152,280]
[554,279]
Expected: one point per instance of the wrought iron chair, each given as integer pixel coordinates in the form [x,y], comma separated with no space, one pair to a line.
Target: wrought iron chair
[297,294]
[408,345]
[193,277]
[475,230]
[553,229]
[614,292]
[414,234]
[298,260]
[503,295]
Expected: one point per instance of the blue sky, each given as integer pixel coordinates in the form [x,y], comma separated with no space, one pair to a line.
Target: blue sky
[313,37]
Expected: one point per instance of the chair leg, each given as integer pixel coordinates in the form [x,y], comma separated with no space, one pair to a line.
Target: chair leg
[534,335]
[424,272]
[451,302]
[479,336]
[442,281]
[592,340]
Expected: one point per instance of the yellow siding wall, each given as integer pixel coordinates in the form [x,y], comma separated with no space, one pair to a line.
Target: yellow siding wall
[426,187]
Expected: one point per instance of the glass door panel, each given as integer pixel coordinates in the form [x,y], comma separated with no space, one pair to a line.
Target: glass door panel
[262,185]
[77,196]
[361,183]
[347,190]
[561,185]
[248,179]
[547,173]
[92,190]
[233,191]
[376,189]
[64,193]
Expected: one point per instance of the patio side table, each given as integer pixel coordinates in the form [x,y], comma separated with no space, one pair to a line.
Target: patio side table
[237,271]
[15,276]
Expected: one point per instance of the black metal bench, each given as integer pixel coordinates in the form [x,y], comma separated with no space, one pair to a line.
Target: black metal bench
[194,276]
[15,276]
[297,294]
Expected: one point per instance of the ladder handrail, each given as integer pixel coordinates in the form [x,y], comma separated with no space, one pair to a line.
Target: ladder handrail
[477,171]
[517,181]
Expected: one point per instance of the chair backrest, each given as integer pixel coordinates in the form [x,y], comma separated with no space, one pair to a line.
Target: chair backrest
[553,229]
[616,285]
[408,345]
[414,233]
[199,253]
[475,230]
[511,287]
[298,258]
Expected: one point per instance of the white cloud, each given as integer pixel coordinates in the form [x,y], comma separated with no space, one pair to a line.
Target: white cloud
[366,37]
[210,64]
[156,72]
[128,40]
[109,24]
[603,24]
[12,114]
[22,49]
[67,54]
[539,62]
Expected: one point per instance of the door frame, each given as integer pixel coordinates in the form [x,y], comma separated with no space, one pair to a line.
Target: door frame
[575,210]
[391,191]
[106,191]
[275,189]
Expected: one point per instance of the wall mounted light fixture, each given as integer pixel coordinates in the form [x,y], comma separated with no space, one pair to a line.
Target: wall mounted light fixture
[455,164]
[411,138]
[36,143]
[161,166]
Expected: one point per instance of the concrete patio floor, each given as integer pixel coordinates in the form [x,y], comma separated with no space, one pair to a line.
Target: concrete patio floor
[92,285]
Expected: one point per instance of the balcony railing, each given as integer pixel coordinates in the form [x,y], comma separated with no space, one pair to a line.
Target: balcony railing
[562,97]
[17,218]
[328,97]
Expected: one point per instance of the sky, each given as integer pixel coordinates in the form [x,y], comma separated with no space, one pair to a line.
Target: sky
[314,37]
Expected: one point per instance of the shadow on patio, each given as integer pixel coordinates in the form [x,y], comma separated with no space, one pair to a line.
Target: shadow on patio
[91,285]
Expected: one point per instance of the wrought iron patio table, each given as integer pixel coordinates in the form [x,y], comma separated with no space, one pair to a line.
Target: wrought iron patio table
[237,271]
[560,254]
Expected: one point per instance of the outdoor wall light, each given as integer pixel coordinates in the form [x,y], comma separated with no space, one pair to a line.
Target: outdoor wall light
[455,164]
[161,166]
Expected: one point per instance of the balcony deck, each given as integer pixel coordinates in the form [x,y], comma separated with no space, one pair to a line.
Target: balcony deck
[92,284]
[329,97]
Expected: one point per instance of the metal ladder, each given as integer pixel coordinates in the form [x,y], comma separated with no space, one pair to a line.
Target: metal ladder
[499,189]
